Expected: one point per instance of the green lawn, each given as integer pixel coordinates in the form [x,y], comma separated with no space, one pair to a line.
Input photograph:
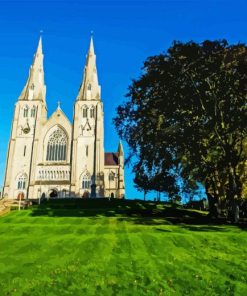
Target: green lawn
[119,248]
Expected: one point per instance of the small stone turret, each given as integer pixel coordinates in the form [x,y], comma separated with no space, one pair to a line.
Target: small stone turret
[121,186]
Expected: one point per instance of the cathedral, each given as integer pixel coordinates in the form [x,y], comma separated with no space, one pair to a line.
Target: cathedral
[54,158]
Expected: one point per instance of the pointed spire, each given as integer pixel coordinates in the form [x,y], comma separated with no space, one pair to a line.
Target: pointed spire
[90,88]
[91,47]
[35,88]
[39,49]
[90,54]
[120,148]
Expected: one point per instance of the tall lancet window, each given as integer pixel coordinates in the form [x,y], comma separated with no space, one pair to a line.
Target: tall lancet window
[92,112]
[25,111]
[111,176]
[89,91]
[86,181]
[57,146]
[21,182]
[84,111]
[33,112]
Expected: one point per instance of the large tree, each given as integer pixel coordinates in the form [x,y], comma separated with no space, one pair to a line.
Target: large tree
[187,112]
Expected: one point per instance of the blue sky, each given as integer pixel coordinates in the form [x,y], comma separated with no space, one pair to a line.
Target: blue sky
[125,34]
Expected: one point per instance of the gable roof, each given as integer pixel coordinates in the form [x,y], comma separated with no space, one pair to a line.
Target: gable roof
[111,158]
[59,113]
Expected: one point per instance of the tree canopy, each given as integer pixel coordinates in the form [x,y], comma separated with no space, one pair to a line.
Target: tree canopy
[187,113]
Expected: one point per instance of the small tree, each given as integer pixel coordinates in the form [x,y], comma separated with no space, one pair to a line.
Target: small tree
[141,180]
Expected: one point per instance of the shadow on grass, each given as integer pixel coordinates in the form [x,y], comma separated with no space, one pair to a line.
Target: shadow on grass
[163,230]
[134,211]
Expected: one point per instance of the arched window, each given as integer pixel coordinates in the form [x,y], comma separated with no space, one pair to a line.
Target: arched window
[84,112]
[57,146]
[86,181]
[33,112]
[89,86]
[21,182]
[25,112]
[92,112]
[111,176]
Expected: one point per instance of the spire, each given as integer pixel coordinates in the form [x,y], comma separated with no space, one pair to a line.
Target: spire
[120,149]
[35,88]
[91,47]
[90,88]
[39,49]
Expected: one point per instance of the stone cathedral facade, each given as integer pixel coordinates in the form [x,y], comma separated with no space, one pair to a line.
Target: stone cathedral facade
[52,157]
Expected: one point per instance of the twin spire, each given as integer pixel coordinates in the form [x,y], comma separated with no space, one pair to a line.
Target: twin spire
[90,88]
[91,49]
[35,88]
[39,49]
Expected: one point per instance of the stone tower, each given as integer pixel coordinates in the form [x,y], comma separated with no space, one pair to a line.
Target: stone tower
[88,134]
[29,114]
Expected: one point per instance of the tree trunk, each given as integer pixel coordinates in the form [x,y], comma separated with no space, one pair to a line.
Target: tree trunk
[234,194]
[212,204]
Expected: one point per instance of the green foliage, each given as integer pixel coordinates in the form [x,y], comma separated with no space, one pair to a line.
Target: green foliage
[85,248]
[189,108]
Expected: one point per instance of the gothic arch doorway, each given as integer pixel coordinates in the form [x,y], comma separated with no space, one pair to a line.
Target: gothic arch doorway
[54,193]
[85,194]
[20,196]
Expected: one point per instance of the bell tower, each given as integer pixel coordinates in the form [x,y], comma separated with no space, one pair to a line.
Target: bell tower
[87,178]
[29,114]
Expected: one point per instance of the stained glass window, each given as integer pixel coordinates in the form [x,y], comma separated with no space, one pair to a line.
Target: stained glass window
[57,146]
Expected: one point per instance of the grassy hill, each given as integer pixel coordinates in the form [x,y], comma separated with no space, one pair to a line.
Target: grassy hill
[101,247]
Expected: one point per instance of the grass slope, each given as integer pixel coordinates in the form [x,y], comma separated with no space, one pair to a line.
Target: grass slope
[119,248]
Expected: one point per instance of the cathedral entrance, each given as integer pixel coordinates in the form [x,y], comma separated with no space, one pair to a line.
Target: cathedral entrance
[54,193]
[85,194]
[20,196]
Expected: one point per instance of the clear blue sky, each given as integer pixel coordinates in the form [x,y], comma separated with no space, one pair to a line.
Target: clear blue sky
[125,33]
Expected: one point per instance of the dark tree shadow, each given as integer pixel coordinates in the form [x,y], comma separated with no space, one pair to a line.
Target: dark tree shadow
[135,211]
